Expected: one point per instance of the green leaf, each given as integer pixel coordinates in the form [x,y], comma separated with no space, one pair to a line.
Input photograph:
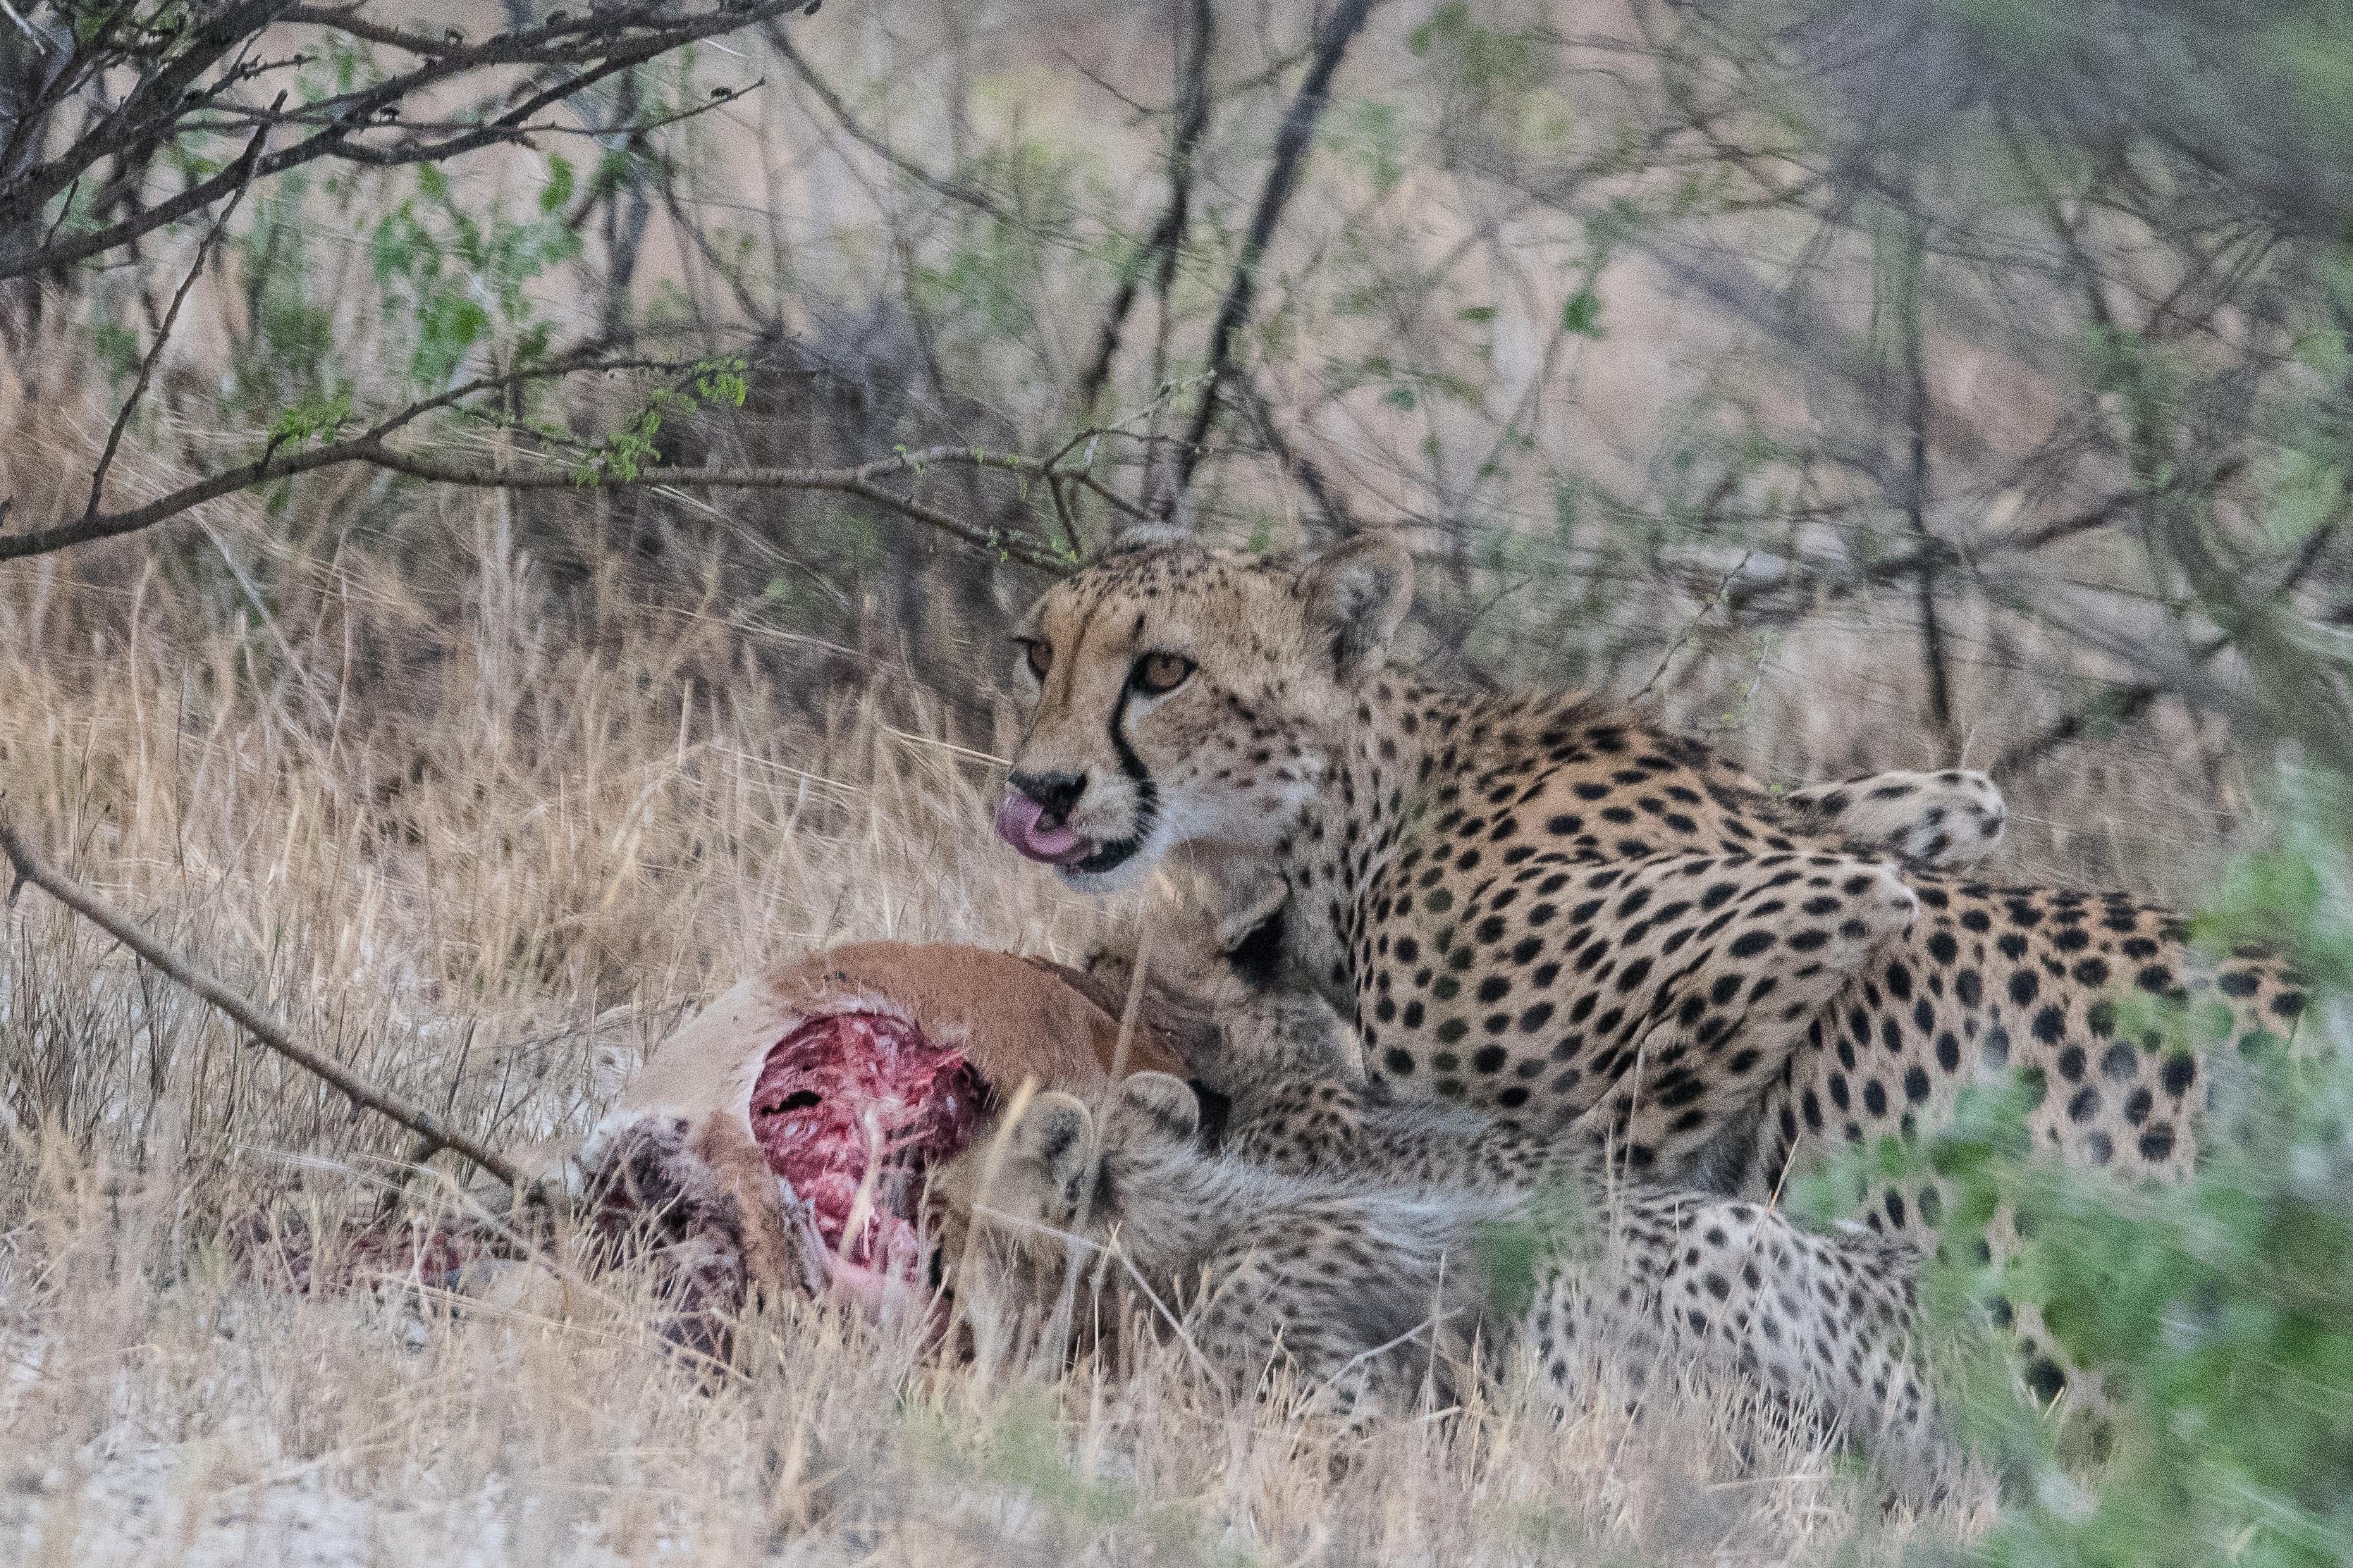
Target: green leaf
[556,194]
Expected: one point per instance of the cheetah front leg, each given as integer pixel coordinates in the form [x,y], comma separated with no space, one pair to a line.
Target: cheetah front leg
[1952,817]
[1697,977]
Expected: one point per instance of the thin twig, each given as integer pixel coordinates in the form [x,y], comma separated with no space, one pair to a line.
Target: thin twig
[1291,144]
[1309,473]
[361,126]
[1168,234]
[1804,587]
[245,162]
[2120,705]
[24,27]
[370,448]
[429,1129]
[955,190]
[1916,503]
[1691,628]
[2111,709]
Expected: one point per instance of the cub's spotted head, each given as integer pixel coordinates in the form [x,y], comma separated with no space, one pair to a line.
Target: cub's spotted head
[1054,1169]
[1184,695]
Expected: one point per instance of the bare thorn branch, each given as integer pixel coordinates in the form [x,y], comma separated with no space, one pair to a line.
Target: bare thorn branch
[247,161]
[955,190]
[370,448]
[30,868]
[1291,146]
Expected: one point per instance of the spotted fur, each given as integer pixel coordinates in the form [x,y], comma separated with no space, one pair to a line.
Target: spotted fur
[1457,875]
[1371,1292]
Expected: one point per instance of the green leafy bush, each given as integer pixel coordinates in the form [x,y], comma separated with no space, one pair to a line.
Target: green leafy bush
[461,281]
[2220,1311]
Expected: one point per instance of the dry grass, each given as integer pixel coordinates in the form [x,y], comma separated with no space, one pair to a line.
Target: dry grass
[488,841]
[492,874]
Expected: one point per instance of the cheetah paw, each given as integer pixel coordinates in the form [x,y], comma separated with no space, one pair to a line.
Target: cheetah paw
[1950,818]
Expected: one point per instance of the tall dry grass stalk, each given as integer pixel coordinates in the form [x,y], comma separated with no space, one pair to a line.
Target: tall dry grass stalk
[490,854]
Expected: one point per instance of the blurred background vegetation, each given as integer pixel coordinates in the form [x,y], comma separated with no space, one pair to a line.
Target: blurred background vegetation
[1872,385]
[1945,380]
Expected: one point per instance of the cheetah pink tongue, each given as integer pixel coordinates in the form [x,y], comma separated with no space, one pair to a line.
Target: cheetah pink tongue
[1016,824]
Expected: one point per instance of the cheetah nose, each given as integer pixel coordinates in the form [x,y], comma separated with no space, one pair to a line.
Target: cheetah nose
[1056,793]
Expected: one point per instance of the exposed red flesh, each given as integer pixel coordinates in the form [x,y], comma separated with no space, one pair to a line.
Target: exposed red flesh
[842,1094]
[835,1096]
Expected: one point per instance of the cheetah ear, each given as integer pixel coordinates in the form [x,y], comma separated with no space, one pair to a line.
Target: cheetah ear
[1057,1131]
[1357,595]
[1155,1106]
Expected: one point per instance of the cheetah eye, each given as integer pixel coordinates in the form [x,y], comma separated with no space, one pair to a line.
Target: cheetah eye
[1039,653]
[1159,672]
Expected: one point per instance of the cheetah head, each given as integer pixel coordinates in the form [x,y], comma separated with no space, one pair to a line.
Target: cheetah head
[1179,695]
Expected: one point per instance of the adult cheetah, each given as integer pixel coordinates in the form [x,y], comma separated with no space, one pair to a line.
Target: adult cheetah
[1369,1292]
[1520,902]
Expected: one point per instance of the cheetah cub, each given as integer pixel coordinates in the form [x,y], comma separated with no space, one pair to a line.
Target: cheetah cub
[1364,1294]
[1372,1293]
